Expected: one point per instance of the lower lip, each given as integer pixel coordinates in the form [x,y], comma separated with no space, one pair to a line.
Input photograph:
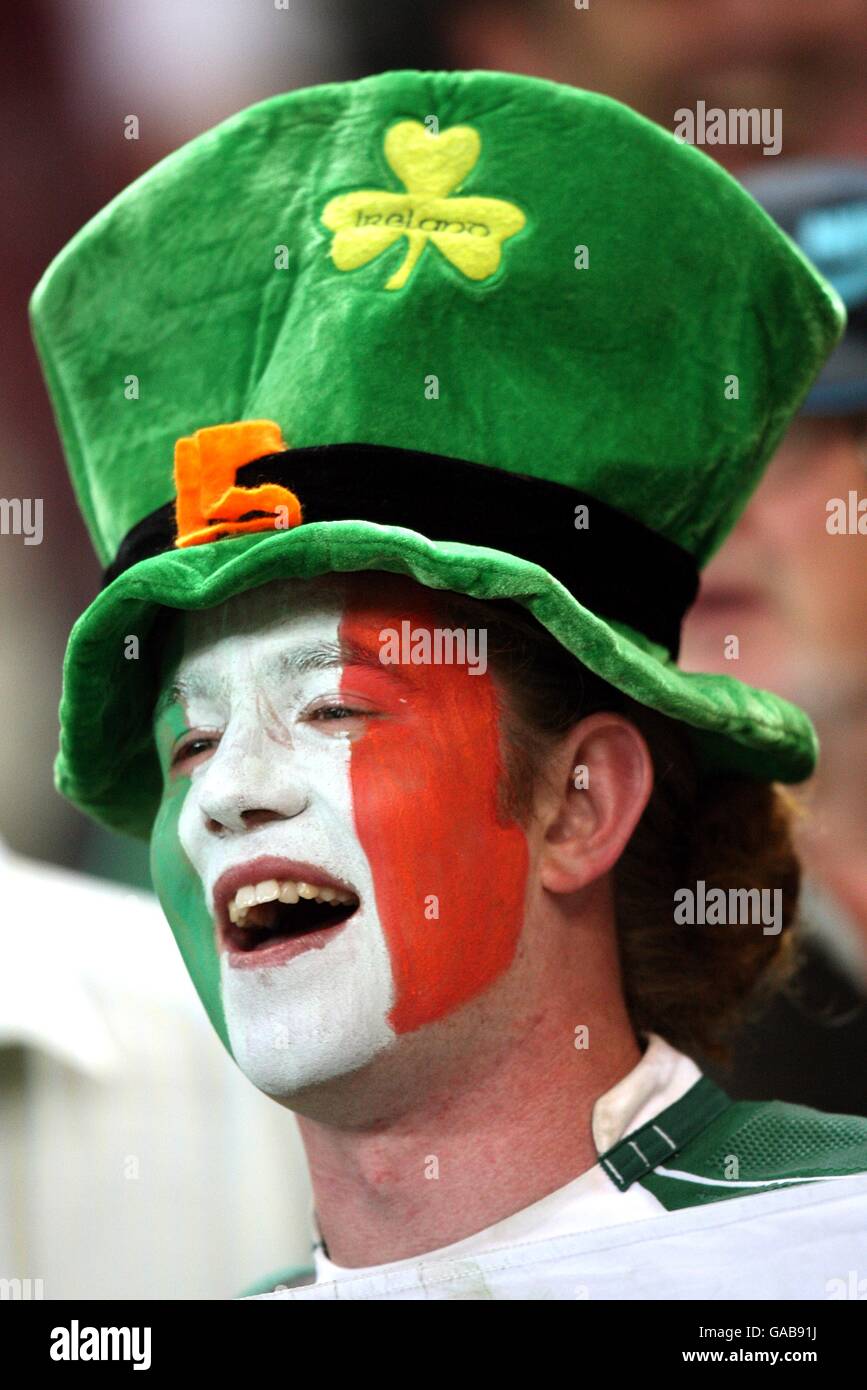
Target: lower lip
[280,952]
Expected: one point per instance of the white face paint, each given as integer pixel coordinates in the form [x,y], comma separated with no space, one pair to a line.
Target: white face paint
[324,1012]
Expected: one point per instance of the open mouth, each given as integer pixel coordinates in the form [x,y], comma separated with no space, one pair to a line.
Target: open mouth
[261,914]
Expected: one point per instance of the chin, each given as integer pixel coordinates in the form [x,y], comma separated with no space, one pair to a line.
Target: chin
[292,1076]
[313,1019]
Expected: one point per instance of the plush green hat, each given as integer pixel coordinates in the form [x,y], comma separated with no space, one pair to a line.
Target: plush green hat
[500,335]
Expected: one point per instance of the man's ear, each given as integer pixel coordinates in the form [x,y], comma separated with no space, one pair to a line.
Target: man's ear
[601,778]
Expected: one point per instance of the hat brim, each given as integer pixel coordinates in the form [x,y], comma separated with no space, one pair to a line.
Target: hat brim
[107,763]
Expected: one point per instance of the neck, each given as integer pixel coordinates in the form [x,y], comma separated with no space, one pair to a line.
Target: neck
[489,1129]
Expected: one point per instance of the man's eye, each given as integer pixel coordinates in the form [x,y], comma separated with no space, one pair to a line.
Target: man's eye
[191,749]
[339,717]
[339,712]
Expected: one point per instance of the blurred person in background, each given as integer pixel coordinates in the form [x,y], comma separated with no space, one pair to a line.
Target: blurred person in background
[790,584]
[662,55]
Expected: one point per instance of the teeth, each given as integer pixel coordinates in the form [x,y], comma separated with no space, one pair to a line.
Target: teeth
[284,891]
[269,890]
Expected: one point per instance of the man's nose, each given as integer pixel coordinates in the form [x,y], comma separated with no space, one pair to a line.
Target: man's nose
[244,787]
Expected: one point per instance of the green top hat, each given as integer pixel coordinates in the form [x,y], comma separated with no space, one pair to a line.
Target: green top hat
[434,315]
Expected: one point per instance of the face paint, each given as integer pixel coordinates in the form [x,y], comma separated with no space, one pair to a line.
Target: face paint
[177,883]
[323,1013]
[401,808]
[449,876]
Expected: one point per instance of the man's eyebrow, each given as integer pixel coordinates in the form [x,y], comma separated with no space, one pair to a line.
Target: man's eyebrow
[324,656]
[168,696]
[184,688]
[313,656]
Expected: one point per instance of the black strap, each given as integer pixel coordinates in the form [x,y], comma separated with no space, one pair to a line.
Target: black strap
[617,567]
[644,1149]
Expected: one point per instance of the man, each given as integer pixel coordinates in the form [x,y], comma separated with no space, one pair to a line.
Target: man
[387,672]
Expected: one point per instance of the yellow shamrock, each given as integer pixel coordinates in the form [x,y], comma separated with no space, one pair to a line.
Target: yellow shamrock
[469,231]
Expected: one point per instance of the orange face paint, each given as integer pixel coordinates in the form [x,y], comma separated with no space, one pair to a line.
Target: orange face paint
[449,876]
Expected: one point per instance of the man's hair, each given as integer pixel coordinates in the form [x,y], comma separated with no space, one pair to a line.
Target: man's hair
[692,984]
